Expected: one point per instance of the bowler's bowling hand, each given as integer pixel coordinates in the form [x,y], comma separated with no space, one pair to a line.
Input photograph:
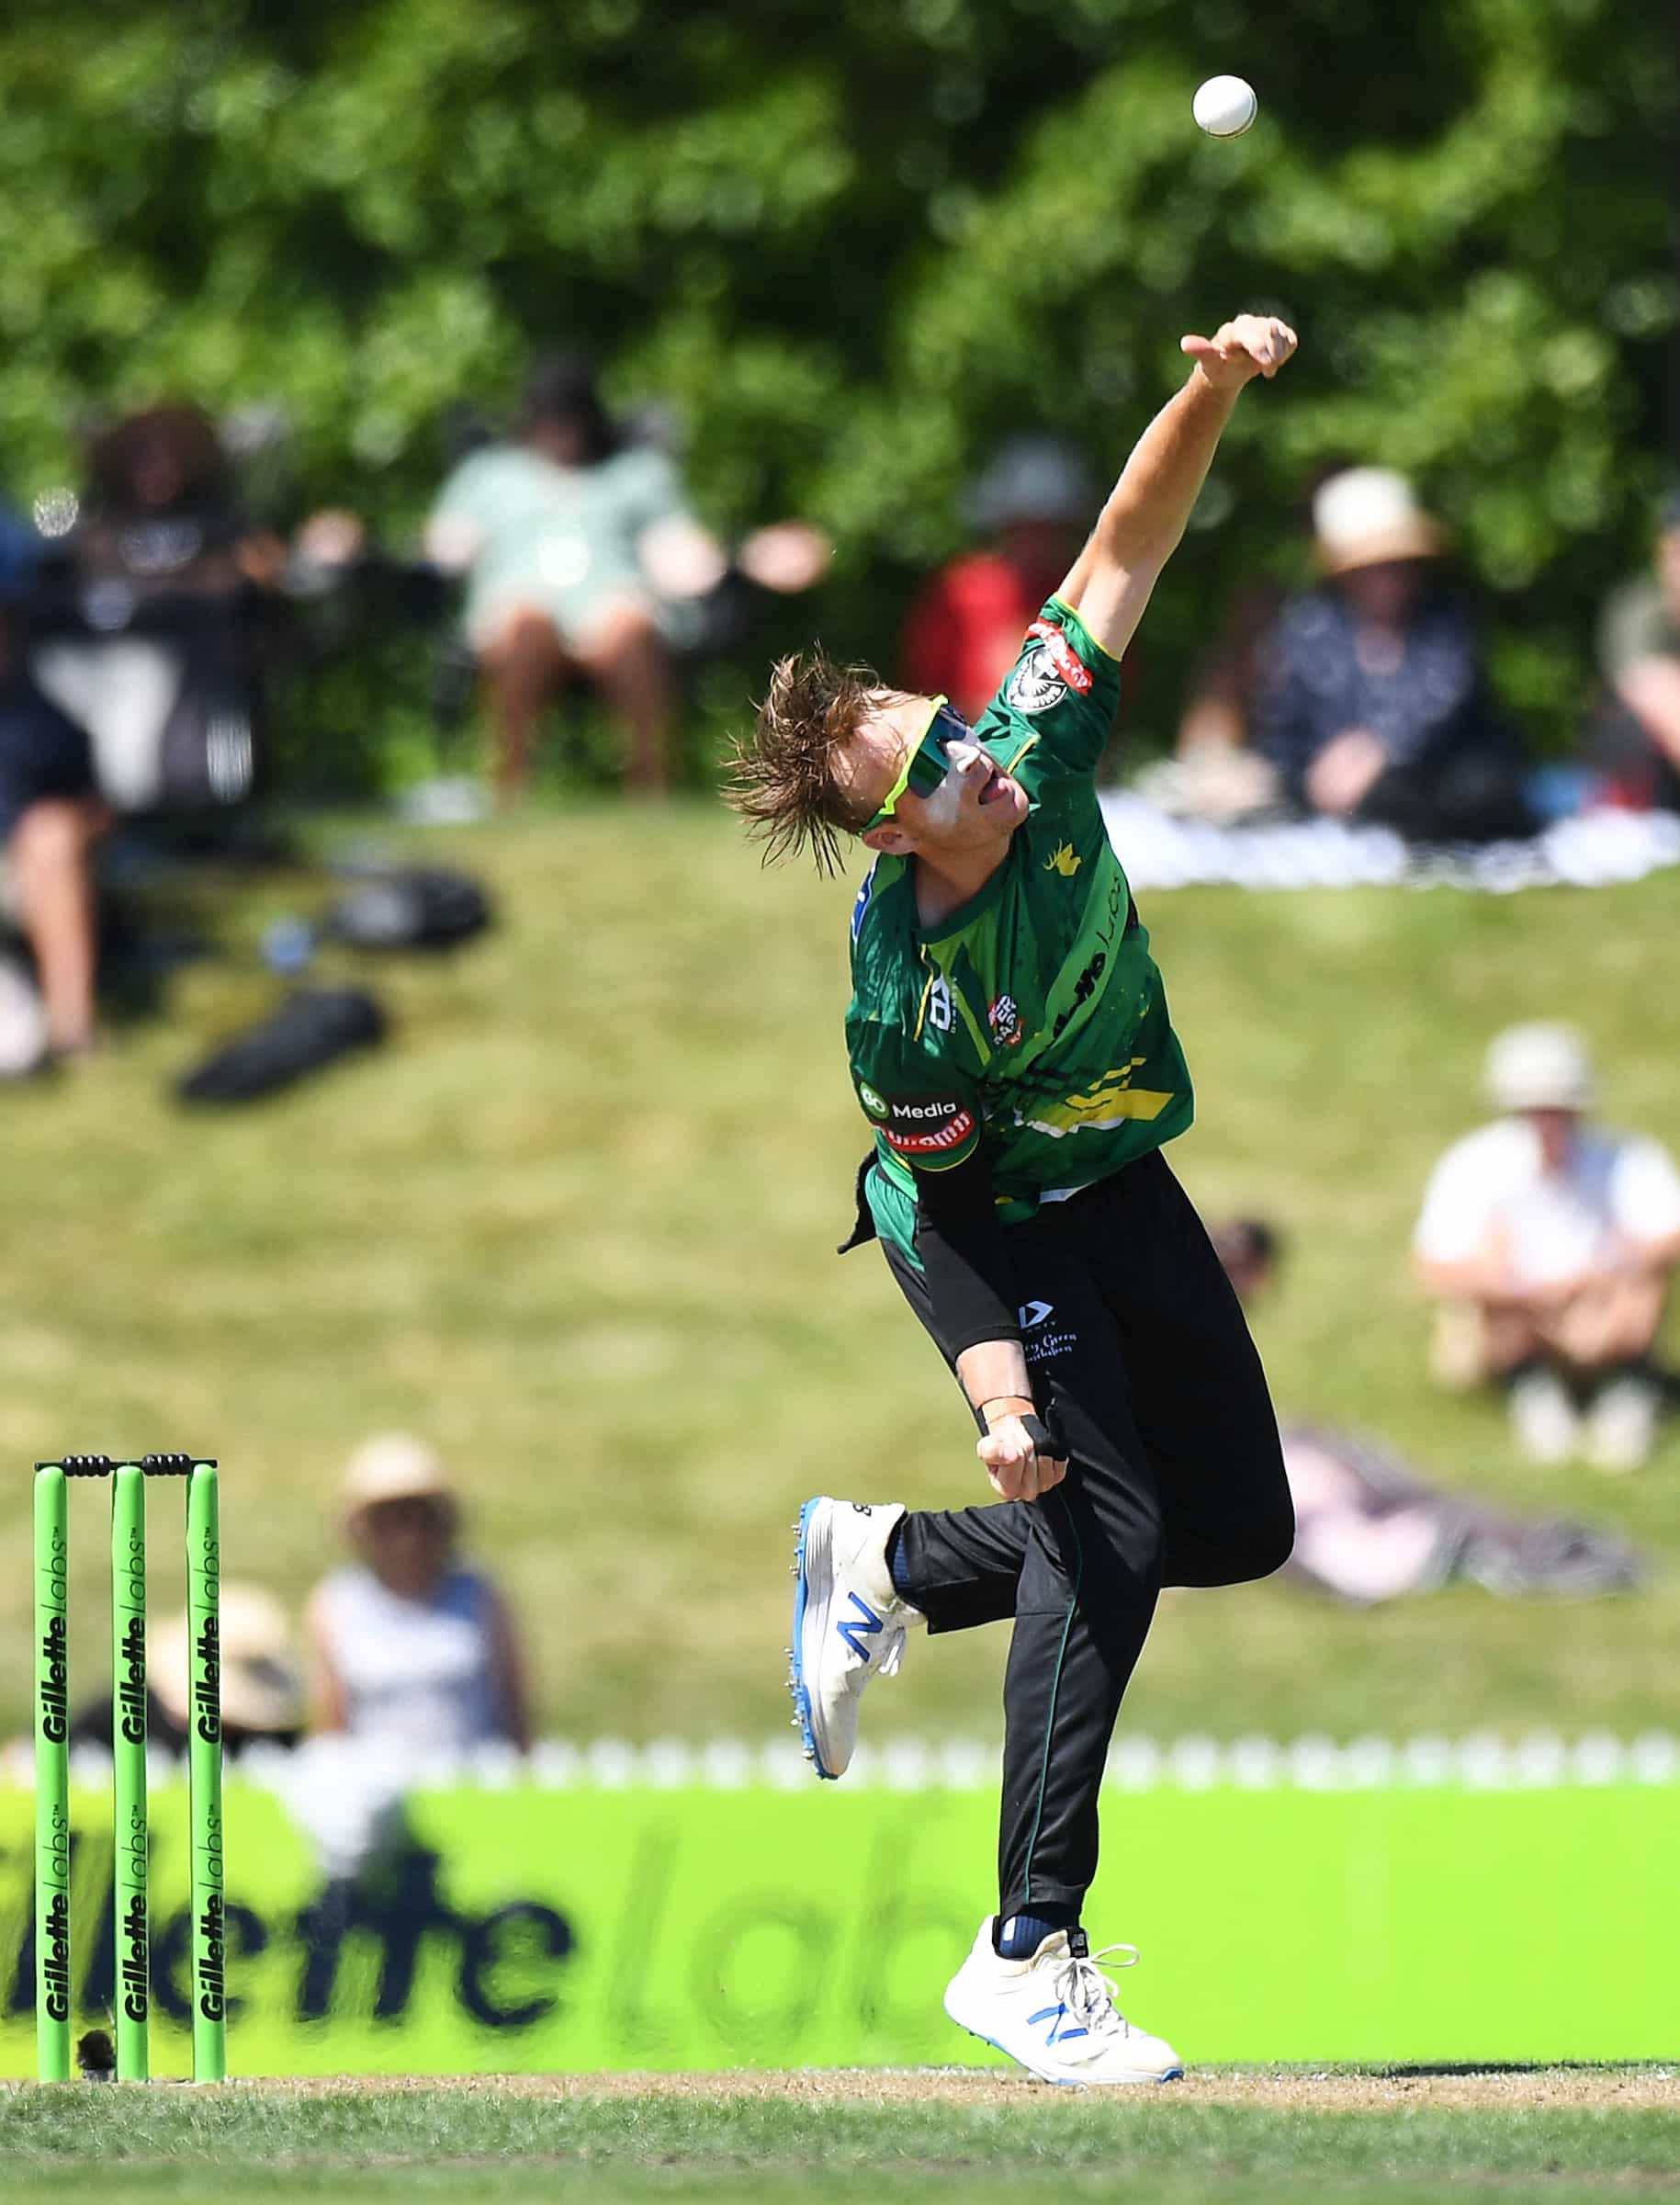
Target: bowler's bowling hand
[1238,351]
[1018,1458]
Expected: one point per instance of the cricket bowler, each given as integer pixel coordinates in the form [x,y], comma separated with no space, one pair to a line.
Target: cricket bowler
[1010,1047]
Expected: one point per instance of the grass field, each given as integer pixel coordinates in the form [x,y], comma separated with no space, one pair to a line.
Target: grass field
[577,1222]
[1401,2138]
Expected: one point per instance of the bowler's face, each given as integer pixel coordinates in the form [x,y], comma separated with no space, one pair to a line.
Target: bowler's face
[975,803]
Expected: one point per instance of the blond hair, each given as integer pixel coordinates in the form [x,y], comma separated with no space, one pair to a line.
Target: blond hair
[784,779]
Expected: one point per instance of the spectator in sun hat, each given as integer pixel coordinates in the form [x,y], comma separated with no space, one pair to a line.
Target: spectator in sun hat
[1373,703]
[1636,743]
[1550,1241]
[262,1680]
[410,1647]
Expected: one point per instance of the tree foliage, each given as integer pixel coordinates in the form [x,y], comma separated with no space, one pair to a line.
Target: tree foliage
[852,246]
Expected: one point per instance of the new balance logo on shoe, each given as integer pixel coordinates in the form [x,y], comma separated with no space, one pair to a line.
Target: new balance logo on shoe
[866,1623]
[1056,2033]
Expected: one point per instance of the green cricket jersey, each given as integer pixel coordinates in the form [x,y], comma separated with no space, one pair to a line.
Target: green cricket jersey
[1033,1018]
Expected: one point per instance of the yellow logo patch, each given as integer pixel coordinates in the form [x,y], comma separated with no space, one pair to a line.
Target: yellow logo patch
[1064,860]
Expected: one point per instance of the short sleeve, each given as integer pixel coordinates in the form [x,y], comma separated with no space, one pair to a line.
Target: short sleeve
[1632,626]
[921,1108]
[457,524]
[651,487]
[1459,1207]
[1645,1192]
[1060,694]
[464,491]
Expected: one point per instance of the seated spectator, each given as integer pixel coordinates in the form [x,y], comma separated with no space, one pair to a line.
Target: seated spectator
[1370,1528]
[261,1685]
[1638,743]
[964,629]
[1549,1241]
[1215,773]
[1373,703]
[146,624]
[581,559]
[50,817]
[410,1647]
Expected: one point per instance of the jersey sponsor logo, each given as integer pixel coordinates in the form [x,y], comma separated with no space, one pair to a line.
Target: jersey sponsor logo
[1034,685]
[874,1103]
[1062,656]
[927,1125]
[1033,1313]
[1004,1019]
[1064,859]
[939,1012]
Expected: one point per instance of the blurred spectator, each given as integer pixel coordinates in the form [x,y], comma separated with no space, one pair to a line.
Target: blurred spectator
[50,817]
[261,1685]
[147,641]
[1373,703]
[1215,773]
[1035,505]
[1638,743]
[581,558]
[1367,1528]
[411,1648]
[1550,1242]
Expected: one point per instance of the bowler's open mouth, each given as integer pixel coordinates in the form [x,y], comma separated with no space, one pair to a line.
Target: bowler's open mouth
[996,784]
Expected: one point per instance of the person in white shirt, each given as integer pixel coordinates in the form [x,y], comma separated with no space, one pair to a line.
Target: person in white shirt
[411,1648]
[1550,1241]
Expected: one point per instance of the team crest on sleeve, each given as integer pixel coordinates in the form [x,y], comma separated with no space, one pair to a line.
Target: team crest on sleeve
[1047,673]
[1034,685]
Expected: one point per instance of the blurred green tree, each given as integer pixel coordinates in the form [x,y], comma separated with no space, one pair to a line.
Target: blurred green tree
[852,247]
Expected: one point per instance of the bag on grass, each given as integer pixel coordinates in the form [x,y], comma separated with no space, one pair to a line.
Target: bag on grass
[312,1027]
[411,906]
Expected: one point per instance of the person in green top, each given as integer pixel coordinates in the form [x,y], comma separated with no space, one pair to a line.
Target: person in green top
[1012,1051]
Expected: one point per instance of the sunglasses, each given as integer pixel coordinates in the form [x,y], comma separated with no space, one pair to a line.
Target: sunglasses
[928,763]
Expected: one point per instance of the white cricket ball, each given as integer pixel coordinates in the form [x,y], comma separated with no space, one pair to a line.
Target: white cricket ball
[1224,107]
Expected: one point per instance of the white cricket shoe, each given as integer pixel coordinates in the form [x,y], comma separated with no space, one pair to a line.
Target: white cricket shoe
[1543,1419]
[1055,2013]
[849,1622]
[1621,1424]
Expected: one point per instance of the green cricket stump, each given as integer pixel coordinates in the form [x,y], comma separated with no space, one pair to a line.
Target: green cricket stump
[51,1777]
[131,1829]
[204,1769]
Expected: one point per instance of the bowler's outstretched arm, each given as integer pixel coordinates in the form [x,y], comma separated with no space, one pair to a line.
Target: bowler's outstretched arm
[1139,528]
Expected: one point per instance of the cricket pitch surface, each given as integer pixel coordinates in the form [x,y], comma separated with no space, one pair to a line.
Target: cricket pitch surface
[937,2136]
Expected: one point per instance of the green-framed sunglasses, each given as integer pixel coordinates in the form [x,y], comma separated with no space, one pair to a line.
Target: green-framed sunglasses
[927,763]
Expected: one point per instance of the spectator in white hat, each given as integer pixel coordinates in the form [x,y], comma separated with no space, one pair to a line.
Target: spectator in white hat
[410,1647]
[1550,1242]
[1373,703]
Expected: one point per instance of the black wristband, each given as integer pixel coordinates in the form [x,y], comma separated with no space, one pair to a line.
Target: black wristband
[1038,1431]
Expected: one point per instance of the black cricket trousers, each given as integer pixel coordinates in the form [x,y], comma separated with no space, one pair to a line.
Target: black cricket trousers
[1141,1360]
